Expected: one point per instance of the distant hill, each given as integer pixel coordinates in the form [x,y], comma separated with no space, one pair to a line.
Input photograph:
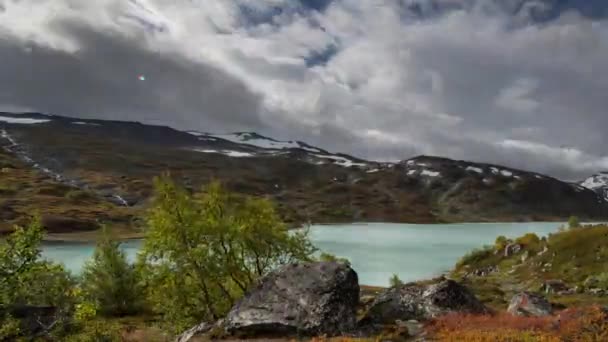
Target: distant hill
[114,163]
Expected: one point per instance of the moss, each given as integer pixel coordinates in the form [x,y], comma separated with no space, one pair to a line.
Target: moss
[79,195]
[477,257]
[8,190]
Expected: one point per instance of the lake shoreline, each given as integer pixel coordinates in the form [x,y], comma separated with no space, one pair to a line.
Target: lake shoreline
[376,250]
[127,235]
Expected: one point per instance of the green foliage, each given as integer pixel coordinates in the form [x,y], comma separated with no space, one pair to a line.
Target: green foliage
[85,311]
[475,256]
[96,330]
[9,328]
[574,222]
[19,253]
[109,281]
[78,195]
[528,239]
[25,279]
[332,258]
[203,251]
[7,190]
[500,243]
[530,242]
[394,281]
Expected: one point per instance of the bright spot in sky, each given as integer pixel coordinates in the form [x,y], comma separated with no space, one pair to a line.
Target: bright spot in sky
[142,77]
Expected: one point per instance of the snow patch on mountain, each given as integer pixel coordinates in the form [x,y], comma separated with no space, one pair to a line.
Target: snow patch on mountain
[430,173]
[229,153]
[597,183]
[340,160]
[23,121]
[506,173]
[257,140]
[474,169]
[83,123]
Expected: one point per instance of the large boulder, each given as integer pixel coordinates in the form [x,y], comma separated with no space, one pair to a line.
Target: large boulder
[529,304]
[396,303]
[450,296]
[308,299]
[418,302]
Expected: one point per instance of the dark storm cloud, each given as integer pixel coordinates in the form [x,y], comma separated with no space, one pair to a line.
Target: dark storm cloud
[100,80]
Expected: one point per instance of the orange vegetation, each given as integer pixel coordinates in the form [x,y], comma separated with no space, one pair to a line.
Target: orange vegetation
[577,325]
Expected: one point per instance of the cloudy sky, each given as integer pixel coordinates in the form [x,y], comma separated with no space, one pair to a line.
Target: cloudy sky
[517,82]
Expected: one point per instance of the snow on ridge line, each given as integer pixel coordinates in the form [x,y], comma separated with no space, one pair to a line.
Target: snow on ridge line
[228,153]
[254,140]
[262,142]
[85,123]
[24,121]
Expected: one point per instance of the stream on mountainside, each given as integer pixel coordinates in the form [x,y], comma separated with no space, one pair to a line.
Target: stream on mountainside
[375,250]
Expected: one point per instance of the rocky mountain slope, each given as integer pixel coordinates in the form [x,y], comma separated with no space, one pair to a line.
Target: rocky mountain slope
[597,183]
[112,163]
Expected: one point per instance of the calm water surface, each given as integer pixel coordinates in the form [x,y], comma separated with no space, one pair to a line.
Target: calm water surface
[376,250]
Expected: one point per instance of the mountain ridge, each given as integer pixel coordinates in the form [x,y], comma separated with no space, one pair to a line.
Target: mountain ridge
[116,161]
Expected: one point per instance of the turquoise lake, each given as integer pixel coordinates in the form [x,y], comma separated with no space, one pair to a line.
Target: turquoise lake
[376,250]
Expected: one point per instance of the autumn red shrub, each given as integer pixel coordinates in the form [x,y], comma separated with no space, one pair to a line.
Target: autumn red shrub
[576,325]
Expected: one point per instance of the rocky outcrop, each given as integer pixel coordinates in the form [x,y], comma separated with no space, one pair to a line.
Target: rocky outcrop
[417,302]
[310,299]
[511,249]
[529,304]
[482,272]
[199,329]
[556,286]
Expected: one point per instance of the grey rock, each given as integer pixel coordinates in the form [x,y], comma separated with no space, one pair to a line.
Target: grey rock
[417,302]
[482,272]
[308,299]
[555,286]
[450,296]
[397,303]
[525,256]
[591,282]
[596,291]
[529,304]
[512,248]
[187,335]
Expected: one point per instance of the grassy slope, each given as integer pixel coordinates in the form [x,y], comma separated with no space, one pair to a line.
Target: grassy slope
[570,255]
[25,192]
